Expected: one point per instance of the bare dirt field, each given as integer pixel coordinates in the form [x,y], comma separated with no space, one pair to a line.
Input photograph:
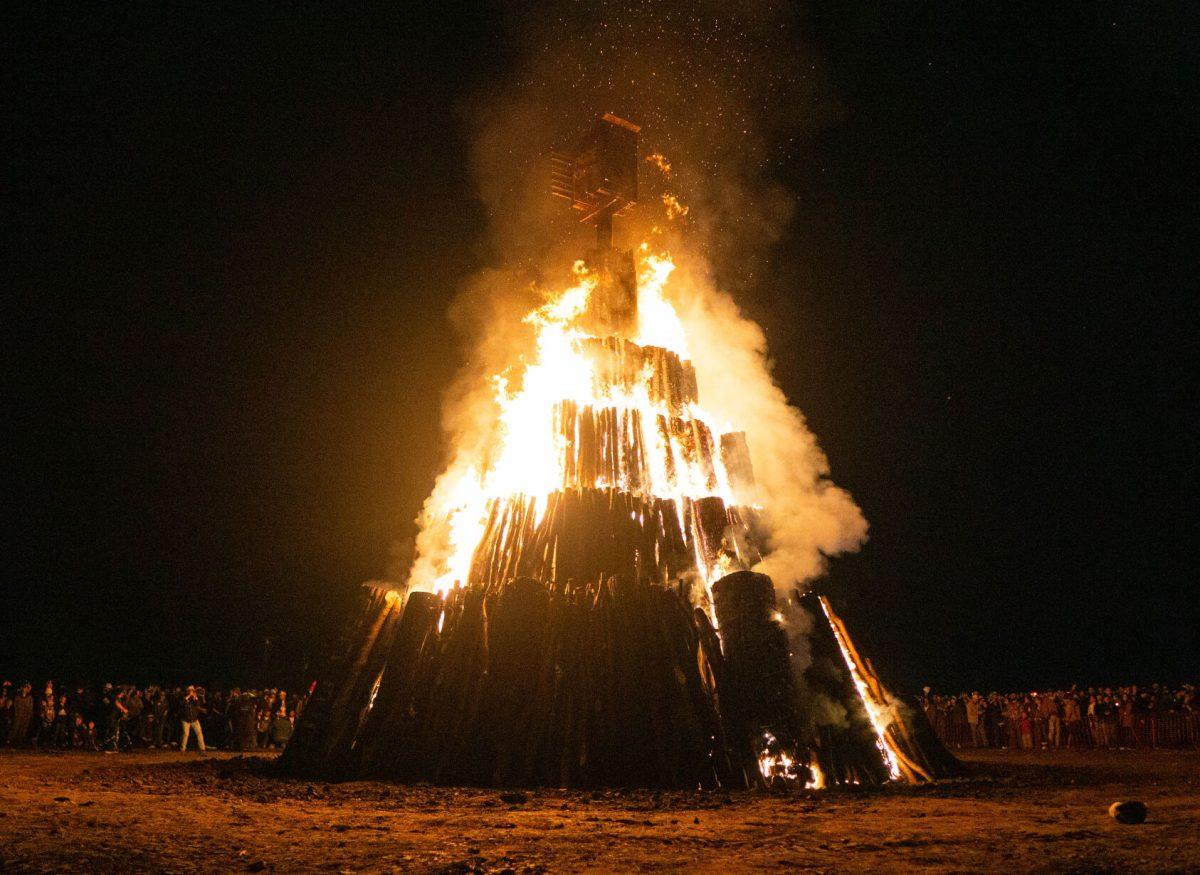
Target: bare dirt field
[162,812]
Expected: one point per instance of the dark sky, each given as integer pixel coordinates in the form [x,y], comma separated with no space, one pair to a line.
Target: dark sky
[233,237]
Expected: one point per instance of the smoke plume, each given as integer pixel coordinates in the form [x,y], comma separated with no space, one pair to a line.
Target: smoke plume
[725,92]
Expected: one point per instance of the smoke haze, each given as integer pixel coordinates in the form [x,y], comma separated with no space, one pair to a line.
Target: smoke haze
[725,91]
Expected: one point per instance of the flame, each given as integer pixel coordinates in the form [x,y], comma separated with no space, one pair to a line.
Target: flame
[817,781]
[659,160]
[676,209]
[876,711]
[775,764]
[526,456]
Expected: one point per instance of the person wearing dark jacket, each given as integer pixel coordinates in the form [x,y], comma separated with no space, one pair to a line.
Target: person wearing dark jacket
[22,715]
[190,710]
[158,716]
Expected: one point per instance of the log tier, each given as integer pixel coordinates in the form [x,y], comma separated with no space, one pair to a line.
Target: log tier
[623,366]
[615,446]
[590,534]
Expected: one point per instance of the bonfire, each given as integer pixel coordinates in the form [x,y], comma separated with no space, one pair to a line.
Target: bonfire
[590,614]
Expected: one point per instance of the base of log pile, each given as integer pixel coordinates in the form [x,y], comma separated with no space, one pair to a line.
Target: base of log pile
[612,684]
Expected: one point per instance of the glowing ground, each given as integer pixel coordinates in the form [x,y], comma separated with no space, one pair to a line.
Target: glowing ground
[1016,813]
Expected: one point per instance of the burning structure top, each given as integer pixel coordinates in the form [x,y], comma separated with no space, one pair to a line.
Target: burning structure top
[603,461]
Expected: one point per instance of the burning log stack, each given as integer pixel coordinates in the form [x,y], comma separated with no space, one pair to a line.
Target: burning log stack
[570,639]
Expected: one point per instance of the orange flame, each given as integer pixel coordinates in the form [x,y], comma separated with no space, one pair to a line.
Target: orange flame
[527,453]
[676,209]
[660,161]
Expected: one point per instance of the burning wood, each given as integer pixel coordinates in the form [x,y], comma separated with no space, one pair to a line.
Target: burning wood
[563,634]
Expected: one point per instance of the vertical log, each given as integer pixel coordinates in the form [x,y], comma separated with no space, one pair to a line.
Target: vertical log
[710,522]
[760,694]
[735,458]
[383,731]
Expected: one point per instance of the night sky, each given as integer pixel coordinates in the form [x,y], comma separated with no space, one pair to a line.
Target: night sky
[233,237]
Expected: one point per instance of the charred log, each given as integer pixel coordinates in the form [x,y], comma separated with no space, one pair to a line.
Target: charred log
[759,694]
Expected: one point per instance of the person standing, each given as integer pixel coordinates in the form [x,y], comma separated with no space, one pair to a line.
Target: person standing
[1012,719]
[190,710]
[245,723]
[1049,712]
[62,724]
[44,734]
[974,709]
[158,714]
[1072,720]
[133,721]
[22,711]
[1027,721]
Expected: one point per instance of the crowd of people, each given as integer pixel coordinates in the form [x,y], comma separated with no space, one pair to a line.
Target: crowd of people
[1109,717]
[118,717]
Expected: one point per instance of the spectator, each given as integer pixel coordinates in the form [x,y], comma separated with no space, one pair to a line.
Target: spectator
[22,711]
[281,730]
[192,708]
[1048,711]
[62,724]
[1072,722]
[158,717]
[974,712]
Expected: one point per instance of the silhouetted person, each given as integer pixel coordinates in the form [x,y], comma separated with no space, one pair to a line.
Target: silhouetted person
[22,714]
[158,714]
[190,710]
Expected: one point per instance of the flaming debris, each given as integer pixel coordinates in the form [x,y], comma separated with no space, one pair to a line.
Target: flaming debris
[675,209]
[659,161]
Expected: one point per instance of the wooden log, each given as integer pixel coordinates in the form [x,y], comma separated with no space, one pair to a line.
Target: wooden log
[380,735]
[847,748]
[351,703]
[741,538]
[735,458]
[920,757]
[760,693]
[663,441]
[703,448]
[304,753]
[518,630]
[588,443]
[710,522]
[451,726]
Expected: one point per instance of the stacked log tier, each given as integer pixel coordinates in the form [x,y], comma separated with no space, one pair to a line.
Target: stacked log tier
[620,365]
[590,534]
[617,447]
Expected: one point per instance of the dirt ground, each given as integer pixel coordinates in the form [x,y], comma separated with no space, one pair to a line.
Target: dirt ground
[165,813]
